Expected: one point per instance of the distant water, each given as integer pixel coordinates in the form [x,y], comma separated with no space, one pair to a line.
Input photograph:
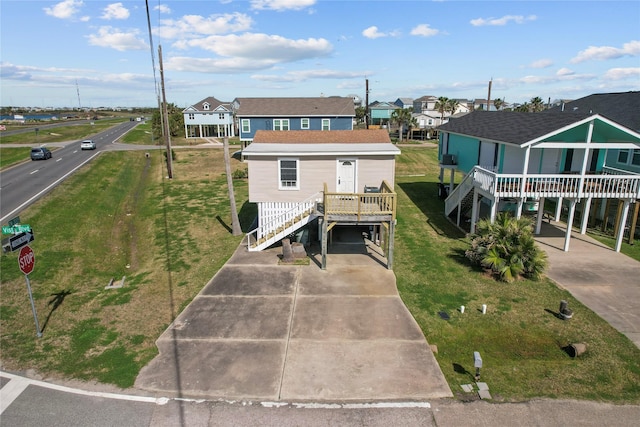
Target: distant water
[21,117]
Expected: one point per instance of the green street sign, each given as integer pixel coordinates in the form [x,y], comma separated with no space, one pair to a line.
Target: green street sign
[14,221]
[20,228]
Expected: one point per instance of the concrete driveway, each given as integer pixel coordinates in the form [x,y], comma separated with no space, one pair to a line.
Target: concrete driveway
[263,331]
[604,280]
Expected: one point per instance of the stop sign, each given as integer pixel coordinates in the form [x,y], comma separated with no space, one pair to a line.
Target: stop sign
[26,259]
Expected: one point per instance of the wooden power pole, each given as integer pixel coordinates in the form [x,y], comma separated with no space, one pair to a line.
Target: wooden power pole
[235,222]
[165,117]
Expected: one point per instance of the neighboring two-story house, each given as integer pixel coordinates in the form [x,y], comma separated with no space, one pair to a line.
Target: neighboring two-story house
[208,118]
[337,177]
[526,158]
[289,114]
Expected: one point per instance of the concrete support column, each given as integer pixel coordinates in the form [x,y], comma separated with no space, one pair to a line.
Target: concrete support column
[539,216]
[558,209]
[474,211]
[494,210]
[623,221]
[572,212]
[585,216]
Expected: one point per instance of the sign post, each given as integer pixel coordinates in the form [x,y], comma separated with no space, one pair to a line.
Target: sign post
[26,261]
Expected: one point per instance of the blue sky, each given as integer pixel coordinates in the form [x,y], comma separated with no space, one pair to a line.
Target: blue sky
[53,50]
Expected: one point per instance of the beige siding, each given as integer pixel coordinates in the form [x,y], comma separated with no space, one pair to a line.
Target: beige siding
[314,172]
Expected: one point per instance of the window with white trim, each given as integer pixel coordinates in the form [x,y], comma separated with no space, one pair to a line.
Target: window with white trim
[305,123]
[246,128]
[326,124]
[192,116]
[635,158]
[206,105]
[280,124]
[221,116]
[288,174]
[623,156]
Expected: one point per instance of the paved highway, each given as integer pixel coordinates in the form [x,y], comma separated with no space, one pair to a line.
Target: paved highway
[23,184]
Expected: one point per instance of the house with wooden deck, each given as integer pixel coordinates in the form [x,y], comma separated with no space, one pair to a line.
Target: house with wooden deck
[208,118]
[323,178]
[288,114]
[525,158]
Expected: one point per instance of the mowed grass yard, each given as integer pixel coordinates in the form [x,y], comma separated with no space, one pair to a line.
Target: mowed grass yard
[122,217]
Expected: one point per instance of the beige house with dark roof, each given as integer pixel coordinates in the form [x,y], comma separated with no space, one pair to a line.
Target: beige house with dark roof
[336,177]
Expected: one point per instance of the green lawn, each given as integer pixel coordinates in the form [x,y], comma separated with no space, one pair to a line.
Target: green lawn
[169,237]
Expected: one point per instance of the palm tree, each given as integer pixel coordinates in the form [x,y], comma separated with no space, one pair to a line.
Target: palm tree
[452,106]
[441,106]
[401,117]
[536,104]
[499,103]
[507,248]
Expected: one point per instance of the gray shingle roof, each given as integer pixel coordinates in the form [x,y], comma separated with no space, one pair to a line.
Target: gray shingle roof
[213,102]
[509,126]
[621,107]
[296,107]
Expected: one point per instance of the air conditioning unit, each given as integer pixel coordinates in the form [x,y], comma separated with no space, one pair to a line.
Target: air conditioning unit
[448,159]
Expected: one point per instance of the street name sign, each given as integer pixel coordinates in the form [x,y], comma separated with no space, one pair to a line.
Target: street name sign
[14,221]
[20,240]
[15,229]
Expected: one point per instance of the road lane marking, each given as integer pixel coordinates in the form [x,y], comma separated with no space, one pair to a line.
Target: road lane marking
[35,171]
[11,391]
[57,160]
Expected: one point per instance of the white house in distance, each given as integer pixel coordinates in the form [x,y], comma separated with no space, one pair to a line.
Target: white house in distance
[208,118]
[342,177]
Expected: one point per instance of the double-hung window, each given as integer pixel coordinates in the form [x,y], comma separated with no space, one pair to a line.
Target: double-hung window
[246,128]
[326,124]
[280,124]
[305,123]
[288,174]
[623,157]
[635,158]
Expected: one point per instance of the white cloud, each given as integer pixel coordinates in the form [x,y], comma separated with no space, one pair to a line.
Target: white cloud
[424,30]
[281,5]
[65,9]
[115,11]
[373,33]
[541,63]
[600,53]
[117,39]
[163,8]
[564,72]
[216,65]
[518,19]
[300,76]
[622,73]
[190,25]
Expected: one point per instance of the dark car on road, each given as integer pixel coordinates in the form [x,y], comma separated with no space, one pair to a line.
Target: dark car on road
[40,153]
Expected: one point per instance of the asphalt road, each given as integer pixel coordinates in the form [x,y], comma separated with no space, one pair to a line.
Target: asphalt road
[25,183]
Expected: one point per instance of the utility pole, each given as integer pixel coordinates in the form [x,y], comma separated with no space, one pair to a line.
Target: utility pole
[235,222]
[78,92]
[366,102]
[489,95]
[165,115]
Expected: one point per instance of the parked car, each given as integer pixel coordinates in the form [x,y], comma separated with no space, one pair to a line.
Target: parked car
[40,153]
[87,144]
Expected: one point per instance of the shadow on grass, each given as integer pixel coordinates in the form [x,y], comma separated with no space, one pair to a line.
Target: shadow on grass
[459,369]
[425,196]
[54,303]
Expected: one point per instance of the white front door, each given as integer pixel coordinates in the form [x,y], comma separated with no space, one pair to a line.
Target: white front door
[346,176]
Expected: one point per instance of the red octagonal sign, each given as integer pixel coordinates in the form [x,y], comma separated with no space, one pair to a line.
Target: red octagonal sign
[26,259]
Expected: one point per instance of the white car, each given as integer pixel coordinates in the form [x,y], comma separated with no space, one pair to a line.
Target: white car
[87,144]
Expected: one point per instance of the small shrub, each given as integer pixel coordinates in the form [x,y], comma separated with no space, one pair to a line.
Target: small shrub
[240,173]
[507,248]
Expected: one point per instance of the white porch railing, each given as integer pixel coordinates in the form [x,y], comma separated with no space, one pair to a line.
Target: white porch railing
[280,220]
[612,183]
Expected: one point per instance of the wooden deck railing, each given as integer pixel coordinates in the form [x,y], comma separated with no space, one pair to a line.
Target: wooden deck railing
[362,206]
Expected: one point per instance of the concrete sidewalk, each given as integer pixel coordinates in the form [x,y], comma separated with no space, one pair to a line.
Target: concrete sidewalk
[606,281]
[264,331]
